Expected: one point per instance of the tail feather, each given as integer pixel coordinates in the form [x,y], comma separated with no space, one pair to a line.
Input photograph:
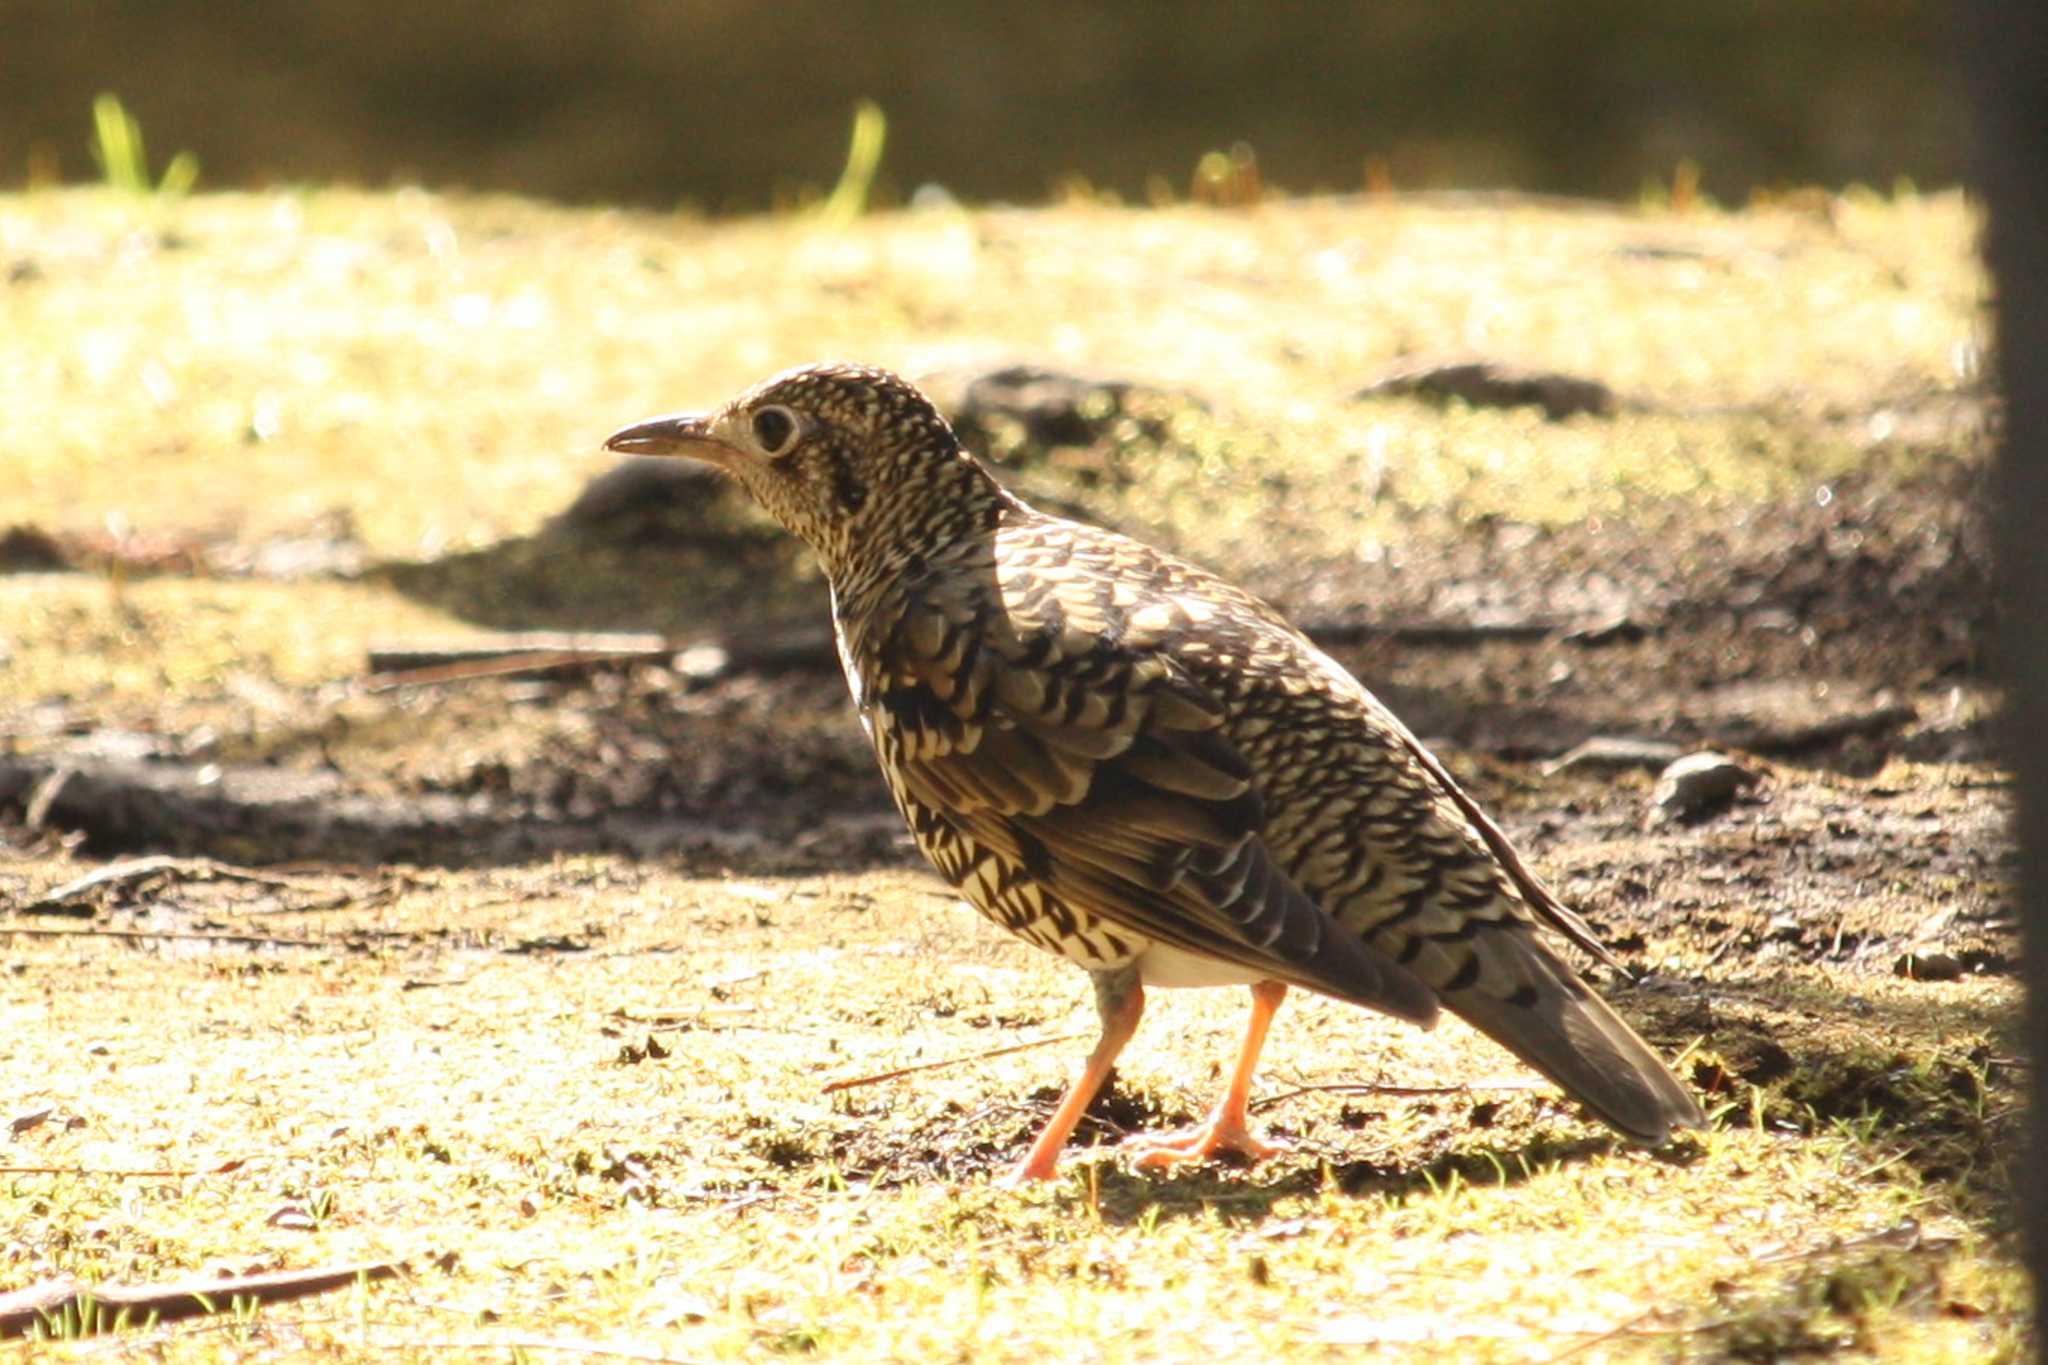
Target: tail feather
[1572,1036]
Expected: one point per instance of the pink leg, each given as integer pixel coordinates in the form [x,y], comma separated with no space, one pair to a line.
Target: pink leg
[1224,1130]
[1121,1001]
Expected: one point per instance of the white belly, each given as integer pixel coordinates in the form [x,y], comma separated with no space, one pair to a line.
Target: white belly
[1163,965]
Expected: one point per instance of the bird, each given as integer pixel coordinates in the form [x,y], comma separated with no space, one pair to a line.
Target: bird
[1123,759]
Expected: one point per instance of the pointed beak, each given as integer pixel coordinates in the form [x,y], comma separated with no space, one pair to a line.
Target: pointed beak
[679,433]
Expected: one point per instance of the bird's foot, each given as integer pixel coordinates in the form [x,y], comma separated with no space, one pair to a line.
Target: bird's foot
[1215,1135]
[1030,1171]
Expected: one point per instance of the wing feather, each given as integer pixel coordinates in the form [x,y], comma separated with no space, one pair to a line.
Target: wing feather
[1111,778]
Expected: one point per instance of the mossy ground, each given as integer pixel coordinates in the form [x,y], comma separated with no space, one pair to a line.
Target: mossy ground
[584,1097]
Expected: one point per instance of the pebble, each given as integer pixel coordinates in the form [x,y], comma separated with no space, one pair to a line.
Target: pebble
[1698,783]
[1918,966]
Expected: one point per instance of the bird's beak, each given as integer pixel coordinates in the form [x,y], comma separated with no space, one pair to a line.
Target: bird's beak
[679,433]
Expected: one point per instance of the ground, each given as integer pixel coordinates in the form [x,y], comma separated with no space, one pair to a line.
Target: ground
[544,983]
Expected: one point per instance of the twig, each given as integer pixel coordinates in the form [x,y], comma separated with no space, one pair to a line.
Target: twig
[339,900]
[878,1077]
[665,1020]
[565,1345]
[1598,1338]
[1735,936]
[1374,1088]
[185,935]
[58,901]
[111,1173]
[1430,632]
[1909,1236]
[421,656]
[399,665]
[418,662]
[74,1308]
[498,666]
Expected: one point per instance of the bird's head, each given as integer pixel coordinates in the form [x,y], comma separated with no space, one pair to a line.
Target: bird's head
[853,459]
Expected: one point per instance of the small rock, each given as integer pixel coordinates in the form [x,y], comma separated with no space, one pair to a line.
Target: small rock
[21,1123]
[1773,619]
[131,746]
[1615,630]
[1486,384]
[1699,784]
[701,664]
[25,549]
[1919,966]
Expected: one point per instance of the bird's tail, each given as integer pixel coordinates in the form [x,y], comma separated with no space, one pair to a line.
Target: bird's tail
[1550,1019]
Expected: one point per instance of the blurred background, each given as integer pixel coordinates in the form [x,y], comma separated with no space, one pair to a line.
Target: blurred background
[733,106]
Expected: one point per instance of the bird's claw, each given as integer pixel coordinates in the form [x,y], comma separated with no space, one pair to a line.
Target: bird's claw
[1204,1142]
[1029,1171]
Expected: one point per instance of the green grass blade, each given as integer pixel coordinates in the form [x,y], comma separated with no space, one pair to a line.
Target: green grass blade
[849,198]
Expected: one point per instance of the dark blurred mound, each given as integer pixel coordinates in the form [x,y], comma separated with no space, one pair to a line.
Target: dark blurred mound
[732,105]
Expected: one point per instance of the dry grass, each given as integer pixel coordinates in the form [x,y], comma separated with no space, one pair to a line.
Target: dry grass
[442,370]
[167,640]
[584,1099]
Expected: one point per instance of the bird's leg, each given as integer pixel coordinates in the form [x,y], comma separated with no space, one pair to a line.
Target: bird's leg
[1224,1130]
[1120,1000]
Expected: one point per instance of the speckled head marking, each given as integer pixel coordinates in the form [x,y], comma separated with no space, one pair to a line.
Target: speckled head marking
[851,458]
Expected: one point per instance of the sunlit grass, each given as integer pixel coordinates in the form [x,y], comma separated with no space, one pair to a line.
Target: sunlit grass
[155,642]
[713,1203]
[443,369]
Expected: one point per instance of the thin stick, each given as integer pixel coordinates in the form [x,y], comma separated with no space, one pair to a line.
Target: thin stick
[539,661]
[111,1173]
[567,1346]
[414,663]
[186,935]
[1599,1338]
[59,899]
[666,1021]
[1373,1088]
[1735,936]
[851,1081]
[1909,1235]
[91,1309]
[420,656]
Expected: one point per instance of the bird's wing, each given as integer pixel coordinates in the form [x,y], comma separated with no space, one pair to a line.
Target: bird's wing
[1101,769]
[1535,891]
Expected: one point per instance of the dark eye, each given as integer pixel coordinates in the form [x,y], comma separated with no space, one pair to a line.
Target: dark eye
[773,427]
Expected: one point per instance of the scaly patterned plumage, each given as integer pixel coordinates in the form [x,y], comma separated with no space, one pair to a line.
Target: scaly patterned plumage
[1123,759]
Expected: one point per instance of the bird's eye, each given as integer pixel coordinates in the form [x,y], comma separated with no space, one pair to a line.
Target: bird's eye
[773,428]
